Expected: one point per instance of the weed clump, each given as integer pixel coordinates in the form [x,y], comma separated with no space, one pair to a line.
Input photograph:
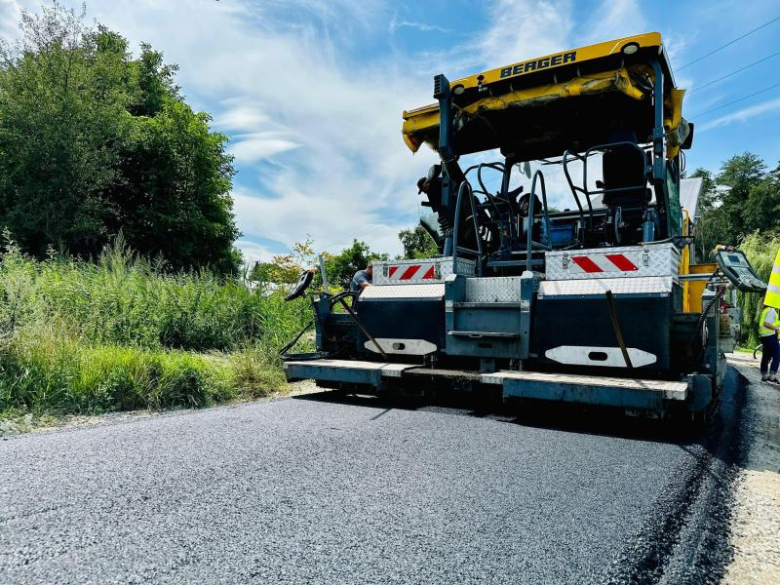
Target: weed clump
[120,334]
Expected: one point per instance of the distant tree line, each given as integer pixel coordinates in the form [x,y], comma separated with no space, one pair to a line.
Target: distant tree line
[740,200]
[94,142]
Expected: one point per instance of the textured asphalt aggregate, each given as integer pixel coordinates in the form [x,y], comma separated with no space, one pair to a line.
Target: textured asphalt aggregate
[329,489]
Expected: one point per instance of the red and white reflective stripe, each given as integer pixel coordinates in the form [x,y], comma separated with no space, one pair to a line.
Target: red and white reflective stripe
[424,271]
[592,263]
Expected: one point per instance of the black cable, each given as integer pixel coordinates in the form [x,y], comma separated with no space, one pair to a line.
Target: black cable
[700,114]
[714,81]
[728,44]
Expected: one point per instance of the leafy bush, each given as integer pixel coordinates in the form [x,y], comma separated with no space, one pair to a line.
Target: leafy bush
[761,249]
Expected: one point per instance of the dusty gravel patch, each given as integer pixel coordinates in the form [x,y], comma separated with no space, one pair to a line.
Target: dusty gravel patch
[756,520]
[30,424]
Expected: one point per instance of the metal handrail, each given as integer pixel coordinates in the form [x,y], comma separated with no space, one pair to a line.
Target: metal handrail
[574,188]
[456,231]
[532,199]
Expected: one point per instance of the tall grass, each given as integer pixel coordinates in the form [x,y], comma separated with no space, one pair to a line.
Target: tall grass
[760,248]
[120,334]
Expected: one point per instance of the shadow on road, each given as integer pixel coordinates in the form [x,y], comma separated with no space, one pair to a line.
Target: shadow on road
[565,417]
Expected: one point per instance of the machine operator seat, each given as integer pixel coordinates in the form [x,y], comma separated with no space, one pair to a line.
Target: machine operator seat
[624,169]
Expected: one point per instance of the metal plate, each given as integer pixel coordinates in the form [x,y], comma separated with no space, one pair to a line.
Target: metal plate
[392,272]
[350,371]
[581,355]
[502,289]
[401,346]
[668,390]
[619,262]
[598,287]
[403,291]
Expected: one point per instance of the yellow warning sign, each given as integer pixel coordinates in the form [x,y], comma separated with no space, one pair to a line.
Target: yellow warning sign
[772,298]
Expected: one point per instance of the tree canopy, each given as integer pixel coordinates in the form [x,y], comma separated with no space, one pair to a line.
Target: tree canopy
[742,199]
[417,243]
[94,142]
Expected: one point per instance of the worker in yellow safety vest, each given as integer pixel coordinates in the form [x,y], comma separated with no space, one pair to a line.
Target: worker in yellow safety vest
[769,325]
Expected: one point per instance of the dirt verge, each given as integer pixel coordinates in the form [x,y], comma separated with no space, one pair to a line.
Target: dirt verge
[755,531]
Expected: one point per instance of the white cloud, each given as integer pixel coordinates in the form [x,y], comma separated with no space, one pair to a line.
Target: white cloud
[256,147]
[741,115]
[277,77]
[10,14]
[615,19]
[254,252]
[282,78]
[522,29]
[395,24]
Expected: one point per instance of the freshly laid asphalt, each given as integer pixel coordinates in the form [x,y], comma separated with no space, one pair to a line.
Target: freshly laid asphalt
[363,490]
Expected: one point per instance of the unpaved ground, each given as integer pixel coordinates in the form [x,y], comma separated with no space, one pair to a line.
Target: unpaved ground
[756,520]
[30,424]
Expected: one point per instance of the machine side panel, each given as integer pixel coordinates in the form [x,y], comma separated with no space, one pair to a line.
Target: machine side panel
[581,326]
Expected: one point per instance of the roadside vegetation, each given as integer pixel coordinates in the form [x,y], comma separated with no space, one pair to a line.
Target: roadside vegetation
[761,249]
[740,206]
[118,334]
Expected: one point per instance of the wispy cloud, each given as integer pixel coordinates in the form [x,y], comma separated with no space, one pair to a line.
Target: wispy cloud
[10,13]
[521,29]
[395,24]
[278,79]
[742,115]
[614,19]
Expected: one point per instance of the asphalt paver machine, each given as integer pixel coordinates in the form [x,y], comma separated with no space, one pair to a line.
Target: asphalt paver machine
[601,303]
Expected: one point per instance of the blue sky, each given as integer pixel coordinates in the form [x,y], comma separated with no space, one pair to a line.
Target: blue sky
[311,91]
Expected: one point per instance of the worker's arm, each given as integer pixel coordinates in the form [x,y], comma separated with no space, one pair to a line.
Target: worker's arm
[364,285]
[771,326]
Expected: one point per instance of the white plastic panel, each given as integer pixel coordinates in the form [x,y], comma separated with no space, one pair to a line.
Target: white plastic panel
[582,355]
[599,287]
[402,346]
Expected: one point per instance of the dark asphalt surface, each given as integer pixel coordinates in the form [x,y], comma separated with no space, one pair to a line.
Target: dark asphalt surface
[360,491]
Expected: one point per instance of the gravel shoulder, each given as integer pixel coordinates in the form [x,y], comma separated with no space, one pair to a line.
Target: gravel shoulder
[755,530]
[18,425]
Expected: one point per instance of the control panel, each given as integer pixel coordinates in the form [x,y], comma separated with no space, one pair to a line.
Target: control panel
[736,267]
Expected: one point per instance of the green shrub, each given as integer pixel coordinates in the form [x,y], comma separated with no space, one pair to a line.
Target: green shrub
[761,249]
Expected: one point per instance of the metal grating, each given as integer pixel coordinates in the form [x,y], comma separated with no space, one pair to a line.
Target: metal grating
[501,289]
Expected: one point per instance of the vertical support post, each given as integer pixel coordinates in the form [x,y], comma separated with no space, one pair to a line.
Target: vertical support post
[324,275]
[659,150]
[441,92]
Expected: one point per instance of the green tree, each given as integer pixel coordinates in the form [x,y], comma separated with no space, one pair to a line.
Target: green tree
[284,269]
[342,267]
[417,243]
[740,174]
[94,143]
[762,209]
[709,226]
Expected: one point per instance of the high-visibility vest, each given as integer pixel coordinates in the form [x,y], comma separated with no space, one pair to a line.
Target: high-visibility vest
[764,331]
[772,298]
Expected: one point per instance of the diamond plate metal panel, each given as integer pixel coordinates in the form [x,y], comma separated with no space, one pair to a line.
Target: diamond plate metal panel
[403,291]
[598,287]
[650,260]
[443,268]
[501,289]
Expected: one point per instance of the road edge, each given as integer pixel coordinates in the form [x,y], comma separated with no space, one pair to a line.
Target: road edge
[755,520]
